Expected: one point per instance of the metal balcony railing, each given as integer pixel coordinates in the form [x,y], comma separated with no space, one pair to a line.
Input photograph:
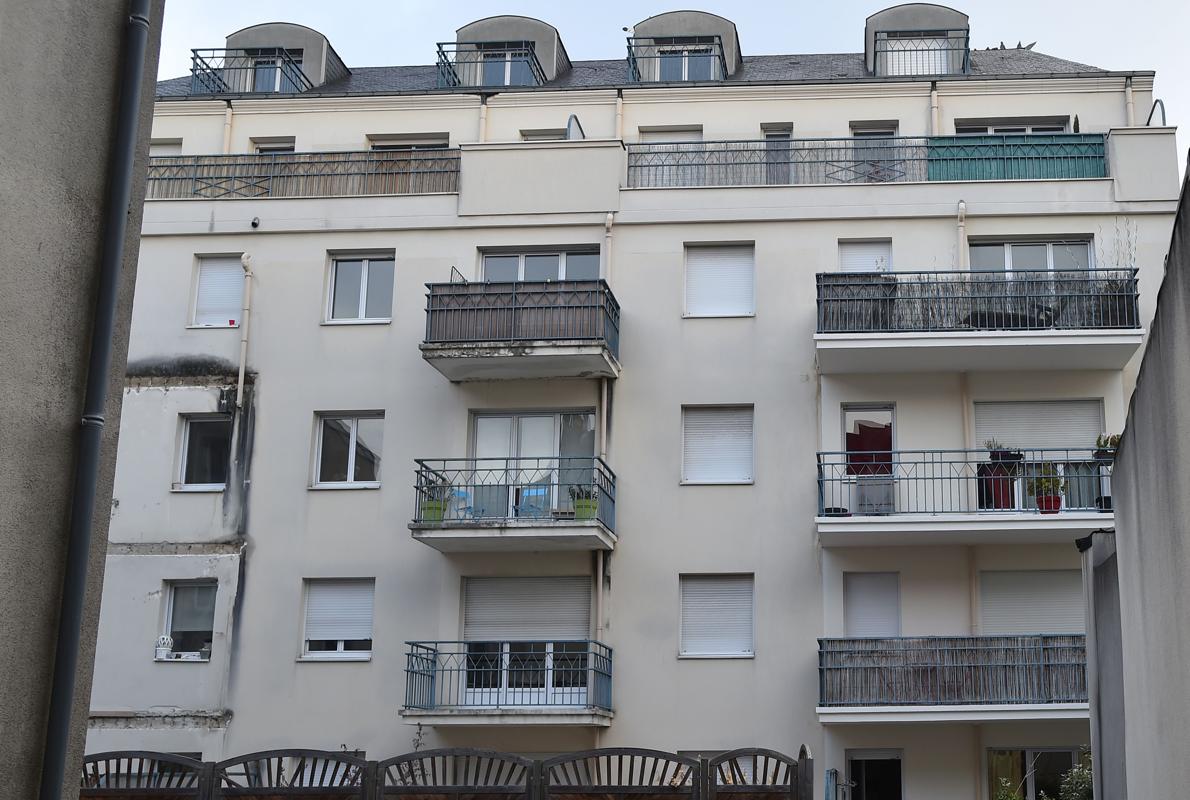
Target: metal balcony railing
[498,491]
[922,53]
[672,59]
[559,674]
[894,159]
[523,311]
[962,300]
[1008,481]
[953,670]
[488,64]
[335,174]
[248,70]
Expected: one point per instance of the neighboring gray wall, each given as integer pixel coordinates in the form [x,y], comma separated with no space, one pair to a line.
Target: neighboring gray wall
[910,17]
[313,44]
[547,42]
[1106,670]
[61,66]
[1153,541]
[695,23]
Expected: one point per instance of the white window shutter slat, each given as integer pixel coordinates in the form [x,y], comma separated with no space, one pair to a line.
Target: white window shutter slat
[518,609]
[220,295]
[1031,601]
[720,281]
[865,256]
[339,609]
[1063,424]
[676,135]
[717,615]
[717,445]
[871,604]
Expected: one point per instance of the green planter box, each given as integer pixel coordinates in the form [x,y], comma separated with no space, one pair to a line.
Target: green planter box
[586,507]
[433,510]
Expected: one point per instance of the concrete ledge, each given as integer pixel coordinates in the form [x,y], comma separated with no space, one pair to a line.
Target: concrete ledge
[959,529]
[493,361]
[468,536]
[509,717]
[833,715]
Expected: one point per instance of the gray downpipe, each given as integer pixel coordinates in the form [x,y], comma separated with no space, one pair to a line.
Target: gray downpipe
[86,472]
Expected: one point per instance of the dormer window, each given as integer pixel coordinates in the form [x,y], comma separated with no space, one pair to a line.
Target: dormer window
[920,53]
[674,59]
[275,69]
[489,64]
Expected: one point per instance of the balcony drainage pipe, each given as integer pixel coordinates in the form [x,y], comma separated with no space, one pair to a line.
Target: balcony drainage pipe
[934,123]
[245,321]
[620,114]
[482,133]
[86,470]
[1129,105]
[227,113]
[961,221]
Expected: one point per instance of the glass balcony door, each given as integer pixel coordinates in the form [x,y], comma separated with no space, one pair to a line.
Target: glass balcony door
[526,674]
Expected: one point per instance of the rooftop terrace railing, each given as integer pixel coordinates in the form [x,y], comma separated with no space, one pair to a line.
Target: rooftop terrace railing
[673,59]
[499,491]
[922,53]
[509,674]
[330,174]
[963,300]
[522,311]
[894,159]
[488,64]
[246,70]
[953,670]
[1017,481]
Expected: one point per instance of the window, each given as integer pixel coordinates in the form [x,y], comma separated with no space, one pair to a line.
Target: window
[1033,772]
[716,615]
[338,619]
[206,452]
[165,147]
[411,141]
[778,153]
[865,256]
[666,135]
[720,281]
[871,604]
[686,58]
[219,295]
[546,266]
[543,135]
[875,774]
[1009,127]
[190,619]
[506,64]
[272,72]
[349,450]
[868,440]
[273,144]
[717,444]
[361,290]
[1031,601]
[1062,255]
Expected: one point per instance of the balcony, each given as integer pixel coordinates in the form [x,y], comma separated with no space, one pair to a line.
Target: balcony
[915,497]
[952,678]
[515,504]
[509,683]
[500,331]
[675,59]
[462,64]
[964,320]
[271,175]
[255,70]
[867,160]
[922,53]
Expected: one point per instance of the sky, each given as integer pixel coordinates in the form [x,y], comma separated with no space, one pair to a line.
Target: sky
[1113,34]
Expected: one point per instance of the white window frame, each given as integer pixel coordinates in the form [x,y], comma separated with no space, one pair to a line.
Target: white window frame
[350,483]
[194,289]
[168,619]
[543,134]
[267,145]
[180,484]
[561,254]
[277,63]
[509,55]
[165,143]
[1030,787]
[685,50]
[683,655]
[686,312]
[338,654]
[730,406]
[1050,244]
[329,309]
[398,142]
[1011,128]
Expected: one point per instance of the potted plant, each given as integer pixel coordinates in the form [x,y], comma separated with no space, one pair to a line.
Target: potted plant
[585,500]
[1105,446]
[165,648]
[435,495]
[997,479]
[1002,452]
[1046,484]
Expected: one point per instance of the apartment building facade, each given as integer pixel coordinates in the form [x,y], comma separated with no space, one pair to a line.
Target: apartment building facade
[539,405]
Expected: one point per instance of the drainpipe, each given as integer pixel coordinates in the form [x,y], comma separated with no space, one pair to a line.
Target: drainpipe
[620,114]
[245,320]
[483,119]
[599,595]
[934,123]
[1129,106]
[86,470]
[961,219]
[607,247]
[227,128]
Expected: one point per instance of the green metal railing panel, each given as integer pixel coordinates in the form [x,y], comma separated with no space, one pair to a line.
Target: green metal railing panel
[1057,156]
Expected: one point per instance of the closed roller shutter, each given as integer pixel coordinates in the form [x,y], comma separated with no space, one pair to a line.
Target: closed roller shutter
[720,281]
[220,294]
[505,609]
[871,604]
[1031,601]
[717,445]
[339,609]
[678,135]
[865,256]
[1064,423]
[716,615]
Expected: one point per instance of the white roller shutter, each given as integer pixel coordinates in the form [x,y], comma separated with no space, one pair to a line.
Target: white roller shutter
[165,148]
[717,445]
[220,294]
[677,135]
[339,609]
[865,256]
[1031,601]
[871,604]
[720,281]
[504,609]
[1064,423]
[716,615]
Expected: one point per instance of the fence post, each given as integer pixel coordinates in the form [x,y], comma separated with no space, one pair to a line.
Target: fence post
[372,788]
[208,785]
[536,782]
[702,790]
[805,774]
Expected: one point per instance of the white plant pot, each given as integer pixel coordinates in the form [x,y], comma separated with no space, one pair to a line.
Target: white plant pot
[162,653]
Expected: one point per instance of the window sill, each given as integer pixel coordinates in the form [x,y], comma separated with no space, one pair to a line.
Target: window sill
[211,327]
[182,660]
[748,482]
[330,659]
[705,656]
[341,487]
[720,316]
[198,488]
[336,322]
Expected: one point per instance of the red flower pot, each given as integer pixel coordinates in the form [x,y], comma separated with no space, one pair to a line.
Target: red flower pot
[1049,503]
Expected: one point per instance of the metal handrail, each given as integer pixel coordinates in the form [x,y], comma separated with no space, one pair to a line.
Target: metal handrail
[967,300]
[917,53]
[646,54]
[219,70]
[463,63]
[1011,480]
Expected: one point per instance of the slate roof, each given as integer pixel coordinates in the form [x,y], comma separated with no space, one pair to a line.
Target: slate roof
[614,72]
